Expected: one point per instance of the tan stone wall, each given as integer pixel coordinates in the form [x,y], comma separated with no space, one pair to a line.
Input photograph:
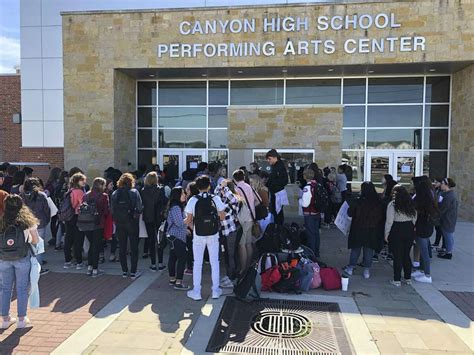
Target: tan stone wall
[462,140]
[310,127]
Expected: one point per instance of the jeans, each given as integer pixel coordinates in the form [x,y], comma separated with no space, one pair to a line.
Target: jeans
[95,238]
[439,236]
[448,241]
[125,232]
[311,223]
[424,246]
[17,271]
[367,259]
[177,259]
[199,245]
[151,242]
[42,234]
[74,239]
[230,250]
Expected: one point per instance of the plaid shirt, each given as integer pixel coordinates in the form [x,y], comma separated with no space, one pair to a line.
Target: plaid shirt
[232,208]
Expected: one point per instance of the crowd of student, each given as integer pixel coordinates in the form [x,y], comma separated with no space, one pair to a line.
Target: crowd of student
[206,215]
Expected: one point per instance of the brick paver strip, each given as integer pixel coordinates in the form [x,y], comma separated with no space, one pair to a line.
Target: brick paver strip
[67,302]
[463,300]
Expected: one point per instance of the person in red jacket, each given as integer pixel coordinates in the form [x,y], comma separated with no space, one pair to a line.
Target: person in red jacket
[312,217]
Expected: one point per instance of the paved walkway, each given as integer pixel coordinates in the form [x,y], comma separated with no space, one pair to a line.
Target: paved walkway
[150,317]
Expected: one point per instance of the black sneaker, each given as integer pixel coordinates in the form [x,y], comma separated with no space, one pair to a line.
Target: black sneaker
[161,268]
[172,283]
[145,256]
[89,272]
[135,275]
[44,271]
[447,256]
[181,287]
[153,268]
[124,275]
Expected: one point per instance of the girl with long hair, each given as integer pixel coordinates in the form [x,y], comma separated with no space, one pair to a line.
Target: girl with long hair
[17,215]
[400,232]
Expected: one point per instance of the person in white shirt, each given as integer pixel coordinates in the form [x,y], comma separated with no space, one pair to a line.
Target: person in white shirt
[204,213]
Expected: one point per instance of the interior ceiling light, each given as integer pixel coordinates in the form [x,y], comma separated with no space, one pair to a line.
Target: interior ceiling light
[370,71]
[240,71]
[151,75]
[284,70]
[432,69]
[331,69]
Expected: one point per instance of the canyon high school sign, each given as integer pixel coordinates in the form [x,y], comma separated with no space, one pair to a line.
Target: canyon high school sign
[310,46]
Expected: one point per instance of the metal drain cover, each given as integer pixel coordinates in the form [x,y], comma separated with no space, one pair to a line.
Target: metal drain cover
[274,327]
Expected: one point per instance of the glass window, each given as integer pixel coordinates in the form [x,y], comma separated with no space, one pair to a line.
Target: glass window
[147,92]
[436,139]
[394,116]
[146,116]
[353,139]
[395,90]
[217,138]
[182,93]
[354,116]
[354,91]
[218,156]
[356,161]
[146,138]
[435,164]
[256,92]
[178,117]
[217,117]
[437,89]
[436,115]
[146,157]
[218,93]
[394,138]
[324,91]
[182,138]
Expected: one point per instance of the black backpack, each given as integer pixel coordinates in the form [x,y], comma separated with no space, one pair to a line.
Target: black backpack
[270,242]
[122,206]
[12,244]
[88,218]
[66,212]
[321,197]
[248,287]
[206,218]
[290,237]
[290,281]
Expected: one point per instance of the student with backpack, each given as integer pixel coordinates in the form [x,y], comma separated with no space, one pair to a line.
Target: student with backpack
[18,228]
[95,204]
[68,212]
[154,204]
[312,216]
[204,213]
[276,183]
[126,209]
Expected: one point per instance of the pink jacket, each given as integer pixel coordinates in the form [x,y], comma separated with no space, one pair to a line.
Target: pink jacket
[76,199]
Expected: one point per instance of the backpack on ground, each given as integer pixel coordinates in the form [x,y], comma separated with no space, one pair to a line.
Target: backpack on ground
[290,238]
[270,242]
[122,206]
[12,244]
[306,275]
[206,218]
[88,217]
[66,212]
[248,288]
[331,279]
[290,280]
[321,198]
[316,280]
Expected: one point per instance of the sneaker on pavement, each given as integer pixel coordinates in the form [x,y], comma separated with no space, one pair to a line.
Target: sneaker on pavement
[188,272]
[375,259]
[44,271]
[89,272]
[446,256]
[112,257]
[97,273]
[161,268]
[417,273]
[80,266]
[196,296]
[348,270]
[153,268]
[407,281]
[7,323]
[226,283]
[181,287]
[396,283]
[124,275]
[23,323]
[424,279]
[216,293]
[366,274]
[135,275]
[69,265]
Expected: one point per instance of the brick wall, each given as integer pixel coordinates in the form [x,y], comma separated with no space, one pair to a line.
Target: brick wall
[10,133]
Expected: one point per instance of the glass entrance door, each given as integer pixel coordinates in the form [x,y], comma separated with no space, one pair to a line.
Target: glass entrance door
[177,161]
[401,165]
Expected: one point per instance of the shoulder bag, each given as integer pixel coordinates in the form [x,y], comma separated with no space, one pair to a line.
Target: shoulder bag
[256,230]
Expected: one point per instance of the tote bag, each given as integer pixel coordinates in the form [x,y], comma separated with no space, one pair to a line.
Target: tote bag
[343,221]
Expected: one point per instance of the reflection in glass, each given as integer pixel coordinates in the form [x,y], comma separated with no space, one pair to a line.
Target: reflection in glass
[178,117]
[217,138]
[436,115]
[320,91]
[192,160]
[395,90]
[182,93]
[256,92]
[218,92]
[146,116]
[436,139]
[437,89]
[435,164]
[379,166]
[294,161]
[354,116]
[147,138]
[406,169]
[147,92]
[356,161]
[146,157]
[394,116]
[171,166]
[354,91]
[218,156]
[217,117]
[182,138]
[394,138]
[353,139]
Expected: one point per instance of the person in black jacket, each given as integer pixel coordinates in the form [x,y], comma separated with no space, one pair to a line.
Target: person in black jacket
[154,204]
[277,181]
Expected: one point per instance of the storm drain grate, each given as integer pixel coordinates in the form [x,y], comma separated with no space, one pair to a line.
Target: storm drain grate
[279,327]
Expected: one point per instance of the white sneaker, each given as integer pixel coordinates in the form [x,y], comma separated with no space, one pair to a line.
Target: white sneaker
[23,323]
[366,274]
[348,270]
[417,273]
[425,279]
[7,323]
[216,293]
[396,283]
[415,264]
[227,284]
[196,296]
